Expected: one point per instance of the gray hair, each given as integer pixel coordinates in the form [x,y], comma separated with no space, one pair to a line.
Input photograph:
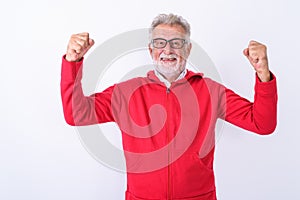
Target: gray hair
[170,19]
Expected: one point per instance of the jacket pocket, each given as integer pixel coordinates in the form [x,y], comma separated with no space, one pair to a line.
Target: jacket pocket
[191,176]
[206,162]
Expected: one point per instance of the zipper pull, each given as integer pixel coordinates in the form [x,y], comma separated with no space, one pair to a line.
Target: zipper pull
[168,90]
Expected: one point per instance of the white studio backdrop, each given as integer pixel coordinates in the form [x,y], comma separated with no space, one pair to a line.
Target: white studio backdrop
[41,157]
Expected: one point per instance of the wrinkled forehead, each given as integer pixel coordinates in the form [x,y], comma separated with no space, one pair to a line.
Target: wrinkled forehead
[168,32]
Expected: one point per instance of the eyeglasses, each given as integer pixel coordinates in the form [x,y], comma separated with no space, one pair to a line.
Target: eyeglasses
[176,43]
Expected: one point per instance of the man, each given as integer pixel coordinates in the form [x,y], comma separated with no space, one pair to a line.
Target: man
[167,119]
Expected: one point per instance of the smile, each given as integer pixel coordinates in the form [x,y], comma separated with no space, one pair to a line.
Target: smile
[168,58]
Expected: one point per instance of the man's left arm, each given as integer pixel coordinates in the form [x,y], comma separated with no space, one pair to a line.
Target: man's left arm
[259,116]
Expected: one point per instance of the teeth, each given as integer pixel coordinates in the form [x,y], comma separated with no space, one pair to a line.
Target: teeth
[168,59]
[171,57]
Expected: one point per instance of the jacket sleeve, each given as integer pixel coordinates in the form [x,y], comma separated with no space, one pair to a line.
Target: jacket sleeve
[78,109]
[259,116]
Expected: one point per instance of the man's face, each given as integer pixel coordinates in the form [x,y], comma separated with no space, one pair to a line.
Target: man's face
[169,61]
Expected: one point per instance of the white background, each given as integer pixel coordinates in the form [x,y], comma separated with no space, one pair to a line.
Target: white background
[42,158]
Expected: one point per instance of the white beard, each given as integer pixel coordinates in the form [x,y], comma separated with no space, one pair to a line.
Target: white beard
[169,70]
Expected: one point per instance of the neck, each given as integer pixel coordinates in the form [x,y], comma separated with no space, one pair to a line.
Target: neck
[170,77]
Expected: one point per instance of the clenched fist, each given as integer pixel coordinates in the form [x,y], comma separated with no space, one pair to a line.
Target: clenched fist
[257,55]
[78,45]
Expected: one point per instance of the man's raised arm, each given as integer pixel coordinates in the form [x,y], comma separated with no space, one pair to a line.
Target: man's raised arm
[261,115]
[79,109]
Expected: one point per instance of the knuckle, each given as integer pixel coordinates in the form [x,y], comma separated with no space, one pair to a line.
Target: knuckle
[252,42]
[73,36]
[85,35]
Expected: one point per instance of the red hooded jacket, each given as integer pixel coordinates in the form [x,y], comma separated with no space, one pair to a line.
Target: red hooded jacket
[168,134]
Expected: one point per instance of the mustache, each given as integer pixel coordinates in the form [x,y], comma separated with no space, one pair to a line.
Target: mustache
[169,56]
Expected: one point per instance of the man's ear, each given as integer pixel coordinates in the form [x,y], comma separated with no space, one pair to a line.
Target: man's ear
[150,49]
[189,48]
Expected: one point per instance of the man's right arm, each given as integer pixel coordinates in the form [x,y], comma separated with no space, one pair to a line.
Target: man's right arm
[79,109]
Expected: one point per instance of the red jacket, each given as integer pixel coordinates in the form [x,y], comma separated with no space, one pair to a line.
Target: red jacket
[168,135]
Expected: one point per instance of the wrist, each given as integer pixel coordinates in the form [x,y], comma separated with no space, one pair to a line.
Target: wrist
[264,76]
[71,59]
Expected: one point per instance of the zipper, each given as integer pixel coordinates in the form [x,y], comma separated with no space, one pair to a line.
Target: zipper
[169,197]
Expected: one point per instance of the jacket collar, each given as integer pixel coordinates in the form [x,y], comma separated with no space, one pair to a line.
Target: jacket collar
[189,74]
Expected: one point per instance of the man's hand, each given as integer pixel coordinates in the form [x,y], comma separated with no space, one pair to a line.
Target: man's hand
[257,55]
[78,45]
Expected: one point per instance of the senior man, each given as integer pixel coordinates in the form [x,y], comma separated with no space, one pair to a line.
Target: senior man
[167,119]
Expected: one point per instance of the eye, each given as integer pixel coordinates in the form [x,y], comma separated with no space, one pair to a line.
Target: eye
[159,43]
[176,43]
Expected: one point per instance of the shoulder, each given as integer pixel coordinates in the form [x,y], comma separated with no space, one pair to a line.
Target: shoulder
[199,77]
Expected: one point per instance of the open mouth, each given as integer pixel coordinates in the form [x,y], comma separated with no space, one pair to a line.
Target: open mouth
[168,60]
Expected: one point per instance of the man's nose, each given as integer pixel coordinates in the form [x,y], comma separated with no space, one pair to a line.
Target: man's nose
[168,49]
